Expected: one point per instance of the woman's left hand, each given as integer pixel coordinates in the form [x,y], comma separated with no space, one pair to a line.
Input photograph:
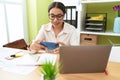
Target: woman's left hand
[56,50]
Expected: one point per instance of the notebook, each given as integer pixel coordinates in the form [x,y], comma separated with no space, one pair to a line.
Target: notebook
[84,59]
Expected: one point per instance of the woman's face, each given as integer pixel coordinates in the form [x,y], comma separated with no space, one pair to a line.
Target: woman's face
[56,16]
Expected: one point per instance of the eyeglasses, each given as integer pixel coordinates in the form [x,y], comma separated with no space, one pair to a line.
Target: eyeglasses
[58,17]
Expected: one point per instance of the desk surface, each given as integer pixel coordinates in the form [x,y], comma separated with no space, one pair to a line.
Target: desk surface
[113,69]
[113,74]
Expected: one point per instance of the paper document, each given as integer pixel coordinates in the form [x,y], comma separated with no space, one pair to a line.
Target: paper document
[24,64]
[11,65]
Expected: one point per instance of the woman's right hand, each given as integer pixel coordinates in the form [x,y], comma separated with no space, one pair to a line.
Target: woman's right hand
[57,49]
[36,45]
[61,43]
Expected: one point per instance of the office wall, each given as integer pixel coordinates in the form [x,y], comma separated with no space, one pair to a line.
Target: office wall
[32,19]
[37,15]
[111,14]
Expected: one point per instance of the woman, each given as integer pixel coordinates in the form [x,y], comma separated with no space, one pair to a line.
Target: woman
[57,30]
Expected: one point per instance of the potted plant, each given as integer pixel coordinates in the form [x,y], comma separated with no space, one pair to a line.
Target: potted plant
[49,70]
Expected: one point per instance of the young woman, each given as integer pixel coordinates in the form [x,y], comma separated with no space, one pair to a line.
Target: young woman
[56,30]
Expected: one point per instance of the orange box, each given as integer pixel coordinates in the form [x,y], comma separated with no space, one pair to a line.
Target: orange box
[88,39]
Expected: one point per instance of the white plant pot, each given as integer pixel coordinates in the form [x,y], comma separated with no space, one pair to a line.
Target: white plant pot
[42,77]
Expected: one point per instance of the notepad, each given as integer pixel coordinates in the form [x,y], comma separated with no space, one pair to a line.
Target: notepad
[47,57]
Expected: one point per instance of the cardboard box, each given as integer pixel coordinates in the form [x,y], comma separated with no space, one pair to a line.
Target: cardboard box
[88,39]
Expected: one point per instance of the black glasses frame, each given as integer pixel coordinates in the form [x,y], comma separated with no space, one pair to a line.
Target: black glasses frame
[58,17]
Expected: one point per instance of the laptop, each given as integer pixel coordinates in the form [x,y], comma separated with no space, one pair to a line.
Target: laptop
[84,59]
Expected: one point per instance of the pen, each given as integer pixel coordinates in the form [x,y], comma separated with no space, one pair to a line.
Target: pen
[15,55]
[18,54]
[38,59]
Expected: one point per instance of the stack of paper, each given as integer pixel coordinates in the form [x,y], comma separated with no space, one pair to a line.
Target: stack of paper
[25,64]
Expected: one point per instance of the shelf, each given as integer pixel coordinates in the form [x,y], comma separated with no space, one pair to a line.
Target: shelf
[110,33]
[95,22]
[106,33]
[98,1]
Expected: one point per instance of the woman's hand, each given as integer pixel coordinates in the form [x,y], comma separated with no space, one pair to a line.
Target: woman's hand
[58,49]
[61,43]
[36,46]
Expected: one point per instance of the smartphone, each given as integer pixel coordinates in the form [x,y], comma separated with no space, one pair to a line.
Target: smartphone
[50,45]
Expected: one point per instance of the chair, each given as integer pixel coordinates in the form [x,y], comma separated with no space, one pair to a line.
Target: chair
[19,44]
[71,15]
